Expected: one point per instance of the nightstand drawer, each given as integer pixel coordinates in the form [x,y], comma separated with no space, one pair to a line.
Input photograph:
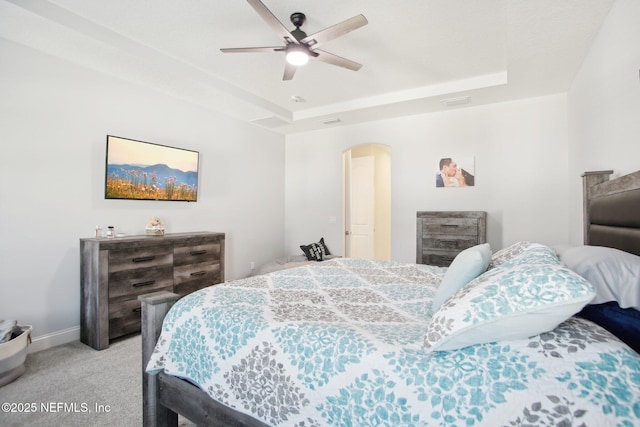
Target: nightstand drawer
[454,226]
[130,259]
[450,242]
[442,259]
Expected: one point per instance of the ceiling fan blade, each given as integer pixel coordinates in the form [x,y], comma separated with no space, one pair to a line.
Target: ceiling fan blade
[332,59]
[335,31]
[272,21]
[289,71]
[253,49]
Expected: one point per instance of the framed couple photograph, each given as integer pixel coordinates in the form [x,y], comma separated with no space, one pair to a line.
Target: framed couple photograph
[456,172]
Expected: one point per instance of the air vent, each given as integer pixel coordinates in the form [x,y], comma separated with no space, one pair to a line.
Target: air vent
[450,102]
[330,121]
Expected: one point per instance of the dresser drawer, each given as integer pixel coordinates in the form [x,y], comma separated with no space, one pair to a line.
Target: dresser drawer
[189,278]
[196,254]
[130,283]
[130,259]
[124,318]
[455,226]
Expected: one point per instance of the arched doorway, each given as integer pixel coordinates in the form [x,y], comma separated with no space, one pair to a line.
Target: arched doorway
[367,202]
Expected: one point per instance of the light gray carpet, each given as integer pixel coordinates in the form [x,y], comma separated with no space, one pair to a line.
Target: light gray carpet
[75,385]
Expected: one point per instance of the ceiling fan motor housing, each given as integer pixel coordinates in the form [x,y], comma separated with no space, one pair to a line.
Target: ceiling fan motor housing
[297,19]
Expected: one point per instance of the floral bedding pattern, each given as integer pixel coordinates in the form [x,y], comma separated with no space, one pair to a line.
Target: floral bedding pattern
[340,343]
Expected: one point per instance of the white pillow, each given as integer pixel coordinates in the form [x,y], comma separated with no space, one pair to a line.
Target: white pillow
[466,266]
[508,303]
[615,274]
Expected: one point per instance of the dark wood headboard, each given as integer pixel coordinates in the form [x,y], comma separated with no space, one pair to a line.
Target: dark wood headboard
[611,210]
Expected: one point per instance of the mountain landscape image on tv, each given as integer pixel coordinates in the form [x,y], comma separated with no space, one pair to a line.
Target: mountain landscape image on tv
[140,170]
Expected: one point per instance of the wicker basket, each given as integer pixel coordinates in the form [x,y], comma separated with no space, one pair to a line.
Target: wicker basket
[13,354]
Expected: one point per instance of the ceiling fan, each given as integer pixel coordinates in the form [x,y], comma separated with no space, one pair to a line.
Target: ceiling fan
[299,47]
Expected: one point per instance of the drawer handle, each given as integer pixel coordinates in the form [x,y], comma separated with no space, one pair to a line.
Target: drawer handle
[144,258]
[450,225]
[140,284]
[194,253]
[137,310]
[449,242]
[199,273]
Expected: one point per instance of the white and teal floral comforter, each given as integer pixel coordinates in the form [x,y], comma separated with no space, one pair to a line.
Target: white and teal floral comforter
[340,343]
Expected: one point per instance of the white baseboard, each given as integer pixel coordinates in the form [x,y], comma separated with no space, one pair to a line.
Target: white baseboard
[53,339]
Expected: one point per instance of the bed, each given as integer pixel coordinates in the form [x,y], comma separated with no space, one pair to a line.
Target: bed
[313,253]
[284,263]
[491,340]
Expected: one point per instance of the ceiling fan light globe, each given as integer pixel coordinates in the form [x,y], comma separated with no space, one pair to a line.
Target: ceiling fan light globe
[297,57]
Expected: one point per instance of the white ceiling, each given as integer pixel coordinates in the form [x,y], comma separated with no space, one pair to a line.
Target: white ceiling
[415,53]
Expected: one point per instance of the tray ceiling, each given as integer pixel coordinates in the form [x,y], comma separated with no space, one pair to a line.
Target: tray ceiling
[415,54]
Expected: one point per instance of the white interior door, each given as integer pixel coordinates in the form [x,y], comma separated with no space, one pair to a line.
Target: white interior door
[361,208]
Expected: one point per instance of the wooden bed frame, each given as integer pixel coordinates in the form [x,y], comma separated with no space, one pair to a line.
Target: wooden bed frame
[164,396]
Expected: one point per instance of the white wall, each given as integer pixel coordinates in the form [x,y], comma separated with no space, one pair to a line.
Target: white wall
[520,151]
[54,118]
[604,105]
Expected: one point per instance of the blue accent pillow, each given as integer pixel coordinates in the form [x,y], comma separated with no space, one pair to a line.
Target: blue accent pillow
[508,303]
[466,266]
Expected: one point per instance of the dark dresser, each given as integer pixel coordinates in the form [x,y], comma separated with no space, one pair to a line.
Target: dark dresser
[114,272]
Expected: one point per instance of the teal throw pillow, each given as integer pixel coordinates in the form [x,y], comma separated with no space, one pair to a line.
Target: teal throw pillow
[466,266]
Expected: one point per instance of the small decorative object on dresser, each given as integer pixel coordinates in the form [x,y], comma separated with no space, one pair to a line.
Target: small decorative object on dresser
[115,271]
[155,227]
[442,235]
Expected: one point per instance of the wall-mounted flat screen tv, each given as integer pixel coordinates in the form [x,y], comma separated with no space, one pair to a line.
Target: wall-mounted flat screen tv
[140,170]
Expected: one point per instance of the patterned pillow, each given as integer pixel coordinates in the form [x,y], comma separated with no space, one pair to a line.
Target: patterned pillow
[508,303]
[466,266]
[535,253]
[315,251]
[326,249]
[524,253]
[508,253]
